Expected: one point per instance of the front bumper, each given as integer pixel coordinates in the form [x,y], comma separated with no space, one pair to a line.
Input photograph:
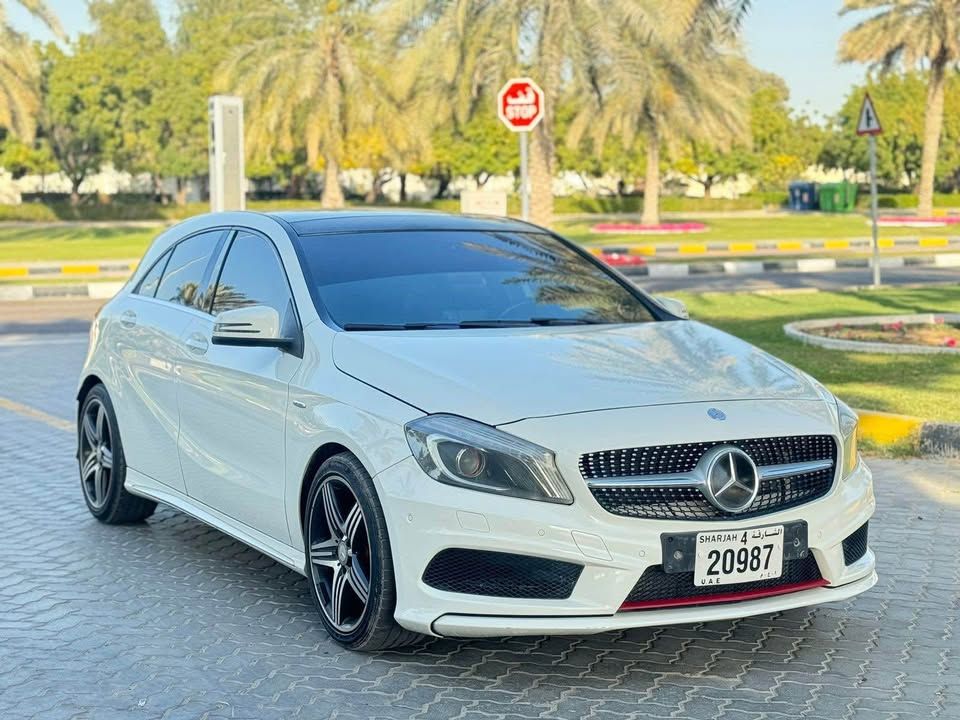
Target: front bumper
[425,517]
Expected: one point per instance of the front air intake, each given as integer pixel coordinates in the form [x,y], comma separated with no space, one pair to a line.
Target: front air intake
[497,574]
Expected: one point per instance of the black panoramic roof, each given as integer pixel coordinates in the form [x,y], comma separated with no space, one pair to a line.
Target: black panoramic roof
[322,222]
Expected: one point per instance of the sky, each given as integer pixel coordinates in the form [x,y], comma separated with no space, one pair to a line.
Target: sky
[796,39]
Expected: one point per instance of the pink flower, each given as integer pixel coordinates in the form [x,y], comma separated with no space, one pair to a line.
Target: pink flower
[950,342]
[938,320]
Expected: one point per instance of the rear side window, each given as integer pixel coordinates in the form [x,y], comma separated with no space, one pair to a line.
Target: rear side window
[185,270]
[148,286]
[252,275]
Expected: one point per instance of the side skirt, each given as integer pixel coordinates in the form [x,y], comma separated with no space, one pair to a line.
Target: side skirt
[144,486]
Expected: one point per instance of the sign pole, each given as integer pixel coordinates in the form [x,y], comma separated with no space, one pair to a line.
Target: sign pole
[873,209]
[524,177]
[869,124]
[520,106]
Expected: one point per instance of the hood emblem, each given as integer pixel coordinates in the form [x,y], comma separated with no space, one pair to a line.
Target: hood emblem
[731,479]
[717,414]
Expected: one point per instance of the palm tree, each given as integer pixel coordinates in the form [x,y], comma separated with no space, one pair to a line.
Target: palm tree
[306,79]
[472,46]
[910,32]
[20,71]
[666,89]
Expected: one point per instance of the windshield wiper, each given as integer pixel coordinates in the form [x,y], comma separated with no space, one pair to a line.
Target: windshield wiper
[357,327]
[493,323]
[565,321]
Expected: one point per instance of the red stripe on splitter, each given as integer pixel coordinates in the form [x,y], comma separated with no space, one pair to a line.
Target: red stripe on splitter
[722,597]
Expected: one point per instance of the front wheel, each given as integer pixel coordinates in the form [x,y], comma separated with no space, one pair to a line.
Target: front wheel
[349,563]
[102,464]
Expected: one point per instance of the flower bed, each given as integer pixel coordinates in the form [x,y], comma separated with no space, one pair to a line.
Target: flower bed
[900,334]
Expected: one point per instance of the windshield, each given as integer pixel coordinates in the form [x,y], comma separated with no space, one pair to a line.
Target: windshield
[443,278]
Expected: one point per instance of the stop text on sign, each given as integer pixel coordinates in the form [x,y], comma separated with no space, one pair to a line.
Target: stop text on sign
[520,104]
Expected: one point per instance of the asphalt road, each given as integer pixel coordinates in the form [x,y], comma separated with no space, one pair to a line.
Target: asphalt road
[836,280]
[170,619]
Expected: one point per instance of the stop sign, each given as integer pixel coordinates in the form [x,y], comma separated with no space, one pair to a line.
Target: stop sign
[520,104]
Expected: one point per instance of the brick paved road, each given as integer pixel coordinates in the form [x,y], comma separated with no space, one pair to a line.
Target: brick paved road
[170,619]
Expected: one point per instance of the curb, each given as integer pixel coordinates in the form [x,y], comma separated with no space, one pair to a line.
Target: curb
[96,290]
[932,439]
[799,265]
[50,270]
[775,246]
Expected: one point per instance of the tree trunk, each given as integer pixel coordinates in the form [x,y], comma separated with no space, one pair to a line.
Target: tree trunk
[181,191]
[932,124]
[403,187]
[75,191]
[651,185]
[541,175]
[332,197]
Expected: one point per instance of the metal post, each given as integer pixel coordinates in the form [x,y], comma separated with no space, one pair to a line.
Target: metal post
[524,177]
[873,209]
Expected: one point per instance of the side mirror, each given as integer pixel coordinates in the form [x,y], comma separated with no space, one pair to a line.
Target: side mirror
[673,306]
[253,326]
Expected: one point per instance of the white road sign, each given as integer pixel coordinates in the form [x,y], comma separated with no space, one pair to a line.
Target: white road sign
[869,123]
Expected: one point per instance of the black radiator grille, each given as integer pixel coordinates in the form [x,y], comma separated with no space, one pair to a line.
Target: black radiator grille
[666,459]
[680,503]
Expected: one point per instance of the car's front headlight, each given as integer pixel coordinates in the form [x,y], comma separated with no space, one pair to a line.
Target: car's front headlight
[848,436]
[469,454]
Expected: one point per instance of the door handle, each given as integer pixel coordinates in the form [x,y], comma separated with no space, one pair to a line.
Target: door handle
[197,344]
[128,318]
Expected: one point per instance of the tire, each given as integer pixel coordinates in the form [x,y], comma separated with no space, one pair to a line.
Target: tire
[103,467]
[350,558]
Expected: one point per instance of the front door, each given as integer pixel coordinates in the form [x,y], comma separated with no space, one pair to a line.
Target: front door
[233,400]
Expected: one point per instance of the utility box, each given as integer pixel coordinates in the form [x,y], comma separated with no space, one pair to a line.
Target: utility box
[803,196]
[838,197]
[227,183]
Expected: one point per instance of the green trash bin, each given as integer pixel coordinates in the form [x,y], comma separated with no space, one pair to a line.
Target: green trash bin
[838,197]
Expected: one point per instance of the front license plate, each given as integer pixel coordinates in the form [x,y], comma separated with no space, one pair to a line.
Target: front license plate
[725,557]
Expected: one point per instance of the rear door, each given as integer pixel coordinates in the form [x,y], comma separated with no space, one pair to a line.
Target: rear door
[147,341]
[233,400]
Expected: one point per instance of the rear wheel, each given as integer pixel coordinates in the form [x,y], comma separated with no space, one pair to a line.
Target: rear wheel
[350,566]
[102,464]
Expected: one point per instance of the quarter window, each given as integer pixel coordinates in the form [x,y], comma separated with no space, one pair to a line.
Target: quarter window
[148,286]
[252,275]
[184,274]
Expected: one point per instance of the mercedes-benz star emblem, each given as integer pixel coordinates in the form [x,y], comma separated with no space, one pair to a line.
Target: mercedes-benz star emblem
[731,479]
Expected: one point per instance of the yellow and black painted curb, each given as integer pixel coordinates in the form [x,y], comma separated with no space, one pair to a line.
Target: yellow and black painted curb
[925,437]
[54,270]
[774,246]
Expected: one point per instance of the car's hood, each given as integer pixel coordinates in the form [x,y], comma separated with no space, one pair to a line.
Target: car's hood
[499,376]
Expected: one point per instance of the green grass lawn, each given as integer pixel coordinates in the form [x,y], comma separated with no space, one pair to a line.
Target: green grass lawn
[927,386]
[27,244]
[774,227]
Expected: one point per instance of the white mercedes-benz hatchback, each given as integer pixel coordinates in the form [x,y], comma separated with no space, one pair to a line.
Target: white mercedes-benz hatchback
[464,426]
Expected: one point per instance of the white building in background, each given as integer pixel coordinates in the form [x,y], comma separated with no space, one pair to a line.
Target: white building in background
[109,182]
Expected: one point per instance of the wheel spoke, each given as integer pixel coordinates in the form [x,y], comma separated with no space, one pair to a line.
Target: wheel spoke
[324,553]
[100,420]
[89,432]
[99,485]
[358,581]
[353,523]
[89,466]
[106,458]
[332,511]
[336,594]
